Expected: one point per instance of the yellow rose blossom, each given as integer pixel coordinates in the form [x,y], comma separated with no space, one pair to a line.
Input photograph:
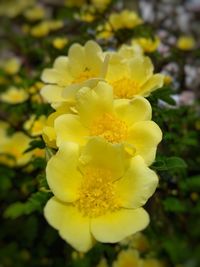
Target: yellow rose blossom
[104,31]
[82,64]
[35,13]
[12,149]
[153,263]
[35,125]
[128,258]
[124,19]
[116,121]
[59,42]
[137,241]
[12,8]
[133,76]
[76,3]
[102,263]
[11,66]
[14,96]
[186,43]
[100,4]
[98,193]
[148,45]
[45,27]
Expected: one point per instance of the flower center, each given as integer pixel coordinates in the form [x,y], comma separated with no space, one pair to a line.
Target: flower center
[109,127]
[97,193]
[125,88]
[83,76]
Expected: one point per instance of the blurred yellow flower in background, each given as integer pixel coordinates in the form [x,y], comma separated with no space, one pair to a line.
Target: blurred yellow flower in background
[12,8]
[147,44]
[124,19]
[11,66]
[60,42]
[98,193]
[35,125]
[35,13]
[128,258]
[14,96]
[186,43]
[45,27]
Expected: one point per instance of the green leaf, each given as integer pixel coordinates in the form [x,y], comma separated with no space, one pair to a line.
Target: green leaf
[35,144]
[35,203]
[171,163]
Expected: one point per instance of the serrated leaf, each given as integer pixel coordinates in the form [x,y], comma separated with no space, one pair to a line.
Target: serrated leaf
[171,163]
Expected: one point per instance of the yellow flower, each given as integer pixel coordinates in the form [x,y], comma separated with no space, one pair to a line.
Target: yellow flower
[76,3]
[82,64]
[45,27]
[128,258]
[186,43]
[104,31]
[14,96]
[148,45]
[124,19]
[100,4]
[102,263]
[49,134]
[13,8]
[137,241]
[133,76]
[35,125]
[60,42]
[167,79]
[119,121]
[11,66]
[12,149]
[98,194]
[35,13]
[153,263]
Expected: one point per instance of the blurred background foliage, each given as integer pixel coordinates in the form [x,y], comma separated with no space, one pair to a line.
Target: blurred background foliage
[33,34]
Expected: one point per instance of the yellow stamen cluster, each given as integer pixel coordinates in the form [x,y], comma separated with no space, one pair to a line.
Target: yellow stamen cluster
[83,76]
[110,128]
[125,88]
[97,193]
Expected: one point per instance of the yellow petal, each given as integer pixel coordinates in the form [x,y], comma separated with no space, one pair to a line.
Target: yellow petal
[141,69]
[134,110]
[145,136]
[115,226]
[69,128]
[62,175]
[52,93]
[102,154]
[93,56]
[72,227]
[93,102]
[61,63]
[155,82]
[76,57]
[137,185]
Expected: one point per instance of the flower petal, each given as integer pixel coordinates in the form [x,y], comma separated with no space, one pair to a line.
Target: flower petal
[62,174]
[155,82]
[115,226]
[141,69]
[145,136]
[137,185]
[102,154]
[72,227]
[94,57]
[69,128]
[134,110]
[93,102]
[52,93]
